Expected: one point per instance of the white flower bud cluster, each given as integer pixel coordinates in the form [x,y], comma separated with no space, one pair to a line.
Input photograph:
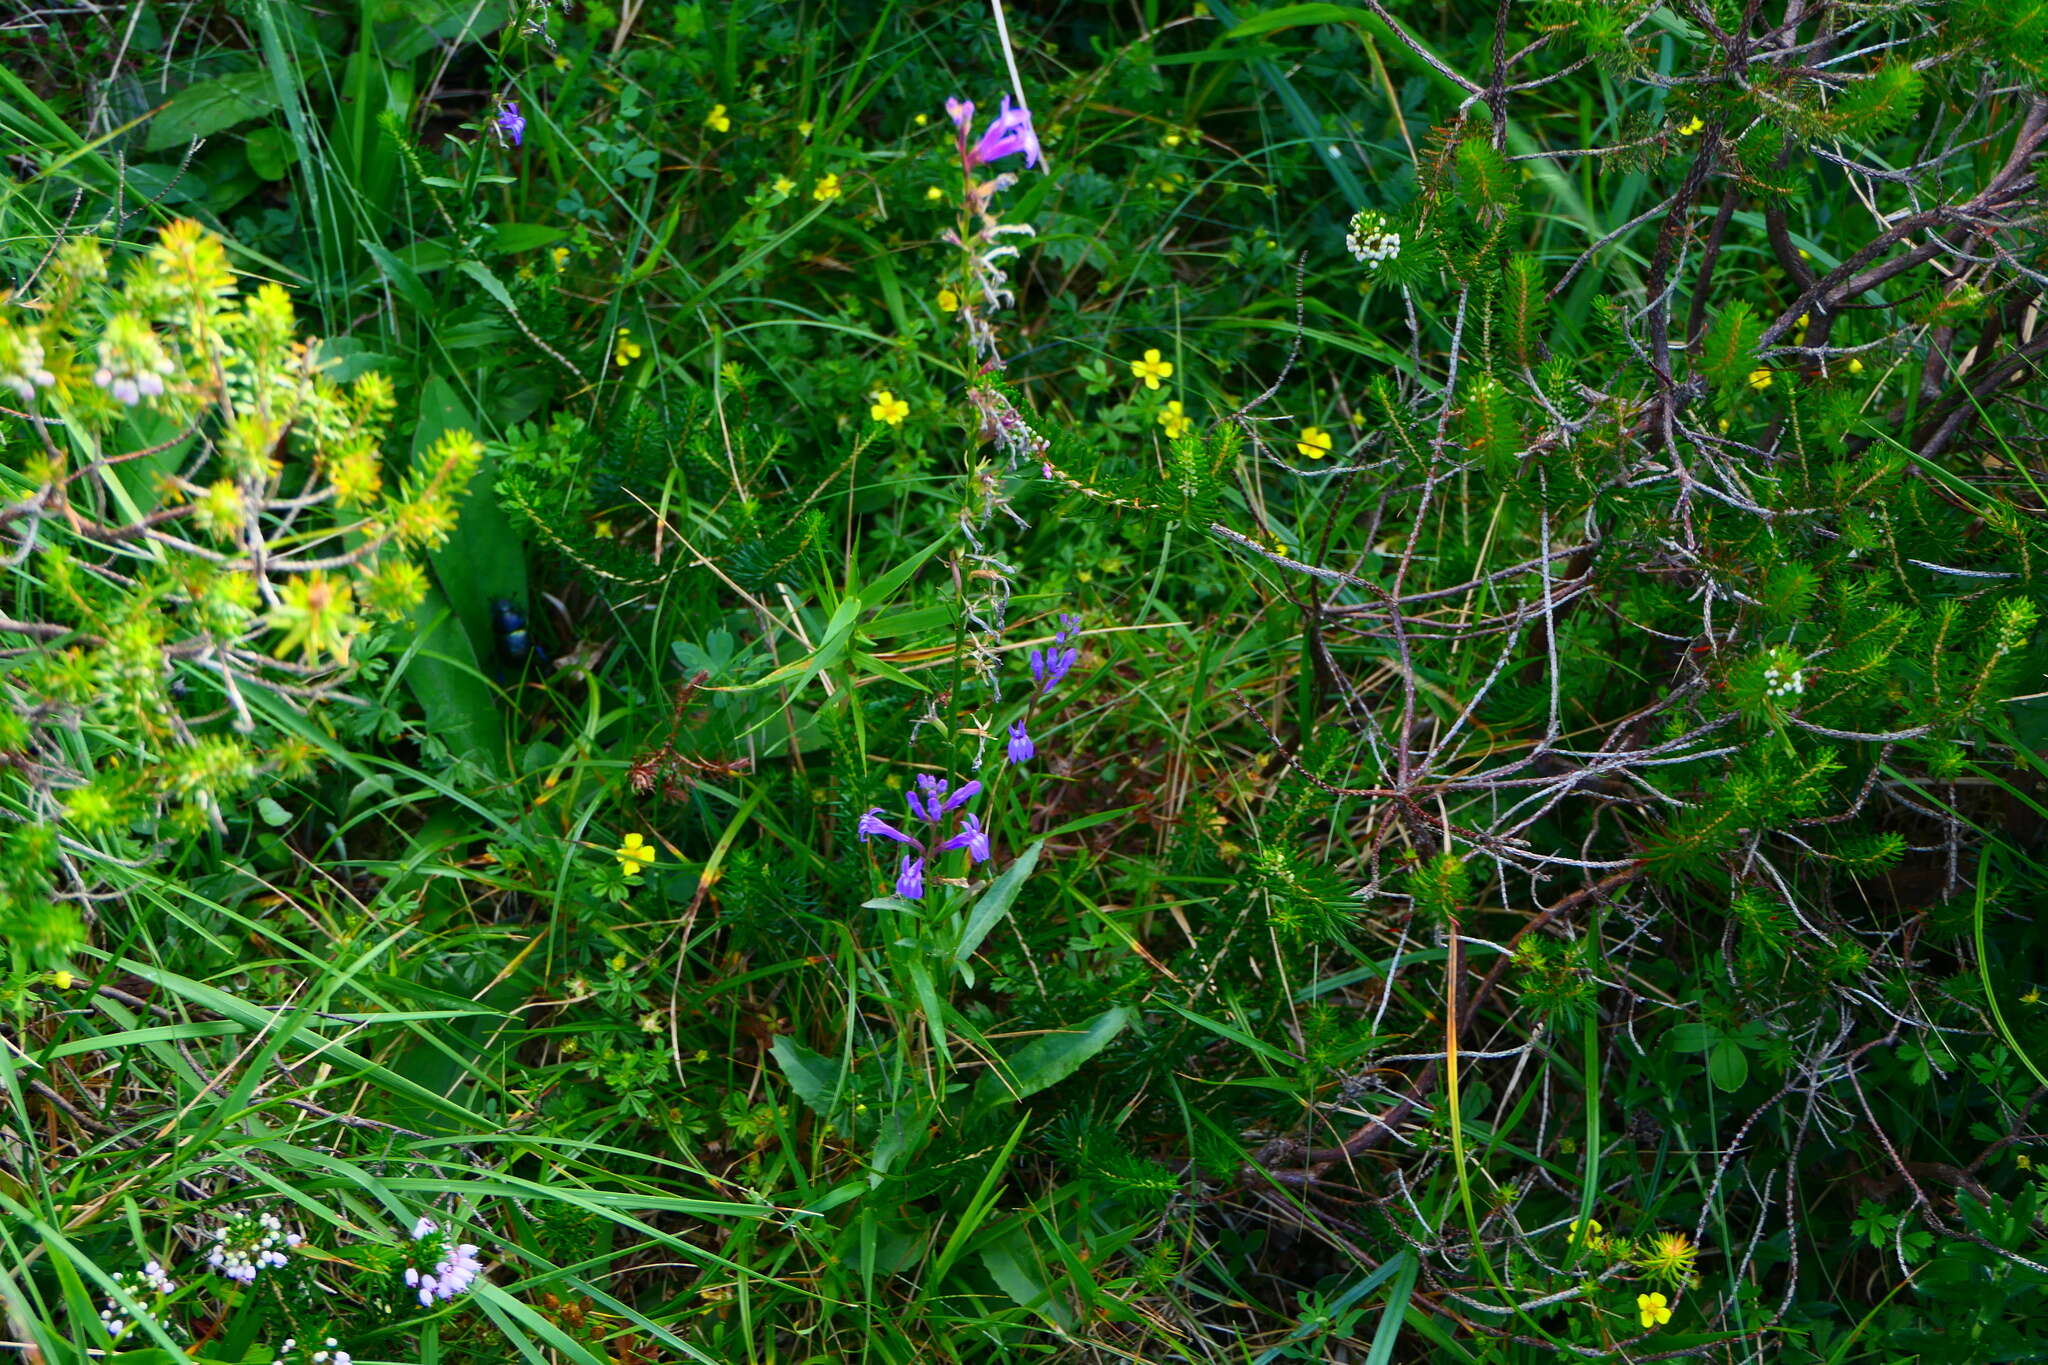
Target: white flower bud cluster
[152,1277]
[132,386]
[1372,238]
[1786,682]
[247,1245]
[24,372]
[455,1267]
[326,1355]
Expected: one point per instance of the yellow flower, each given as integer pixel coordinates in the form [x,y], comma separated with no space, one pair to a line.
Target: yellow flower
[619,962]
[717,121]
[923,119]
[2032,997]
[1591,1225]
[1175,419]
[933,193]
[635,855]
[1653,1309]
[2024,1162]
[804,129]
[1721,425]
[1759,380]
[560,256]
[1172,139]
[625,350]
[949,302]
[826,189]
[1152,369]
[1691,126]
[1314,443]
[1805,318]
[1855,365]
[888,409]
[61,980]
[783,184]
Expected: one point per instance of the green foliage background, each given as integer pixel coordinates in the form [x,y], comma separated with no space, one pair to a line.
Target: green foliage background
[1546,812]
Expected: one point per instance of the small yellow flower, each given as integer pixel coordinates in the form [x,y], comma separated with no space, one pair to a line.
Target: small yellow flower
[783,184]
[619,962]
[1175,419]
[62,980]
[1721,425]
[625,350]
[1759,380]
[717,120]
[603,529]
[1591,1226]
[1172,139]
[826,189]
[1804,254]
[560,256]
[888,409]
[561,62]
[650,1022]
[635,855]
[933,193]
[2024,1162]
[804,129]
[923,119]
[2032,997]
[949,302]
[1855,365]
[1152,369]
[1805,319]
[1314,443]
[1653,1310]
[1692,126]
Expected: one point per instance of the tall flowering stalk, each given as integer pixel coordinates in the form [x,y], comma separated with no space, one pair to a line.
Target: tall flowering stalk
[979,233]
[930,805]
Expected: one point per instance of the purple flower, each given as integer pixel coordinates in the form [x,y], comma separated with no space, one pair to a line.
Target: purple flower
[1049,667]
[510,123]
[935,804]
[961,112]
[873,823]
[910,878]
[1009,134]
[455,1265]
[971,837]
[1022,750]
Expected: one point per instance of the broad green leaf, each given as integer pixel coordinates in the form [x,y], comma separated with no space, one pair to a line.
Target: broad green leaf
[207,107]
[817,1079]
[1048,1060]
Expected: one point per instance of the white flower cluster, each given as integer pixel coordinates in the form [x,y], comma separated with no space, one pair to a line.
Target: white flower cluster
[152,1277]
[1785,682]
[455,1267]
[132,386]
[326,1355]
[1372,238]
[23,371]
[247,1245]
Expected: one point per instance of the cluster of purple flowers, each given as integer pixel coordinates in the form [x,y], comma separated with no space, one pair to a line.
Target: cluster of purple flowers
[931,803]
[1049,667]
[1007,135]
[510,124]
[454,1270]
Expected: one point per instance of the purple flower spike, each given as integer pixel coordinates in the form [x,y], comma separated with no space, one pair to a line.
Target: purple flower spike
[971,837]
[873,823]
[1009,134]
[1022,750]
[961,798]
[910,878]
[1070,625]
[510,123]
[961,112]
[1049,667]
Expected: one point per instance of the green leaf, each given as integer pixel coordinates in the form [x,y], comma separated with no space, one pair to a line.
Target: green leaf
[269,151]
[1051,1059]
[207,107]
[995,902]
[816,1078]
[1691,1038]
[1728,1065]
